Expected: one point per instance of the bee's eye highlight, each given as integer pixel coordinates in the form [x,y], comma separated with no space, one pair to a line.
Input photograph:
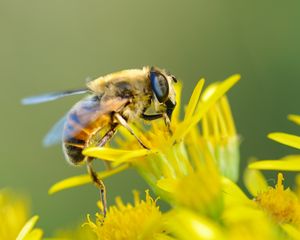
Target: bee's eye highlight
[159,86]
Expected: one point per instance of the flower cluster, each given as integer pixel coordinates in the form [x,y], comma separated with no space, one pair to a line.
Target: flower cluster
[193,166]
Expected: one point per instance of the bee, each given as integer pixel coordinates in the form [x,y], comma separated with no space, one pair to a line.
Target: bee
[113,100]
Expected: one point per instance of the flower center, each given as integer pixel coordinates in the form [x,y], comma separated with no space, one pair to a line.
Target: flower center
[138,221]
[282,204]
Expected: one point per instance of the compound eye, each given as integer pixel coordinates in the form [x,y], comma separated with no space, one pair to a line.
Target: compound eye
[159,86]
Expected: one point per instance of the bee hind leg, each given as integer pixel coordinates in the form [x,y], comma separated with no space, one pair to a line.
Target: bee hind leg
[124,123]
[98,182]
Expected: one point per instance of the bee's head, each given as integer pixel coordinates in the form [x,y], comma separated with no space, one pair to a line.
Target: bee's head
[163,90]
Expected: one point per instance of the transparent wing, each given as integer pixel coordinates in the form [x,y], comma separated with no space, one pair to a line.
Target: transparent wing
[52,96]
[54,136]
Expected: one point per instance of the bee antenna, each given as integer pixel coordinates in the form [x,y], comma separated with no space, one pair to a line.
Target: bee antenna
[174,78]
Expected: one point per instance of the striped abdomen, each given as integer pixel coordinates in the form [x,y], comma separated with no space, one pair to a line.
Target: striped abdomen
[83,120]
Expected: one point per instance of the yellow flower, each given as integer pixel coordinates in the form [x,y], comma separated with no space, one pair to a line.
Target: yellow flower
[281,204]
[142,221]
[242,217]
[13,218]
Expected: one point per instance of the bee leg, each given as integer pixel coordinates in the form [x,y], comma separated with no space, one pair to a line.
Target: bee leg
[167,120]
[157,116]
[107,136]
[168,123]
[104,140]
[107,165]
[98,182]
[151,117]
[124,123]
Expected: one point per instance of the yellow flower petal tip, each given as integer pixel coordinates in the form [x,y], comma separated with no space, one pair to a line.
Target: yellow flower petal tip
[69,183]
[286,139]
[294,118]
[231,81]
[84,179]
[191,107]
[221,88]
[27,228]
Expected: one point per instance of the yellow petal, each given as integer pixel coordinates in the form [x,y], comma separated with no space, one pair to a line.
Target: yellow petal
[225,107]
[204,106]
[249,222]
[194,99]
[83,179]
[291,230]
[233,195]
[167,184]
[254,181]
[116,155]
[35,234]
[286,139]
[29,225]
[282,165]
[187,225]
[294,118]
[217,92]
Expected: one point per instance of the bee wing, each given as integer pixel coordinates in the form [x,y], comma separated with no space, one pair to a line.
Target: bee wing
[54,136]
[90,114]
[51,96]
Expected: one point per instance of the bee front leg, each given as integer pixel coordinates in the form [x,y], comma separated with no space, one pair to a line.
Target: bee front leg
[167,122]
[157,116]
[151,117]
[124,123]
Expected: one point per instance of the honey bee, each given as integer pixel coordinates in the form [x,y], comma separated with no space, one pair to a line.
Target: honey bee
[113,100]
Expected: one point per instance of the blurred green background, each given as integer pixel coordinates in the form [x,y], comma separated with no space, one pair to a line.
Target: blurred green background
[55,45]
